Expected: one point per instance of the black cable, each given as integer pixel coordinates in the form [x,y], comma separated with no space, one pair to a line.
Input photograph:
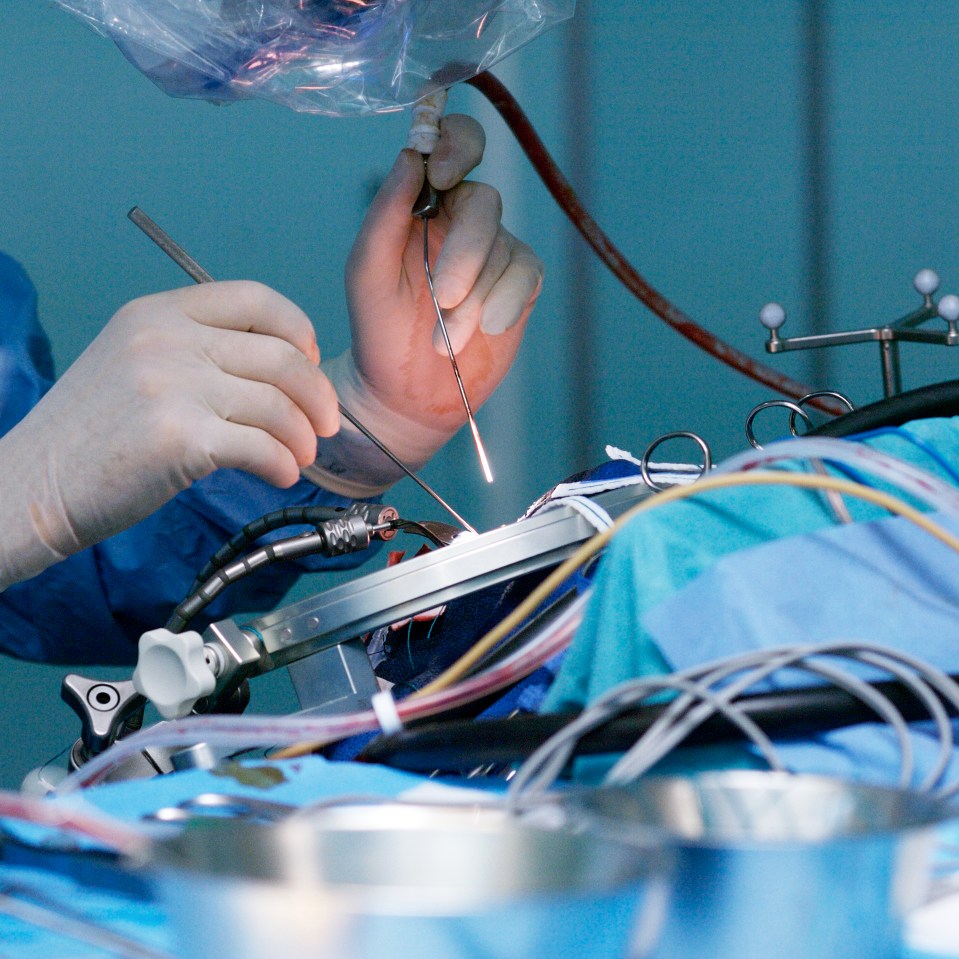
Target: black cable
[198,599]
[348,531]
[789,714]
[269,523]
[937,399]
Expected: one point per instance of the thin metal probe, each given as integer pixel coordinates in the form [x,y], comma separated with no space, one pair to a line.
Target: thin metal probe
[477,441]
[196,272]
[383,449]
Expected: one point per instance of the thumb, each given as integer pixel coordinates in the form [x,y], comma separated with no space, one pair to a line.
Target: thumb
[386,227]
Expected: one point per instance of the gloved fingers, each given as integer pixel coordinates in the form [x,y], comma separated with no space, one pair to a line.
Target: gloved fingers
[464,319]
[474,211]
[247,306]
[244,447]
[515,292]
[385,231]
[265,408]
[275,363]
[503,294]
[458,151]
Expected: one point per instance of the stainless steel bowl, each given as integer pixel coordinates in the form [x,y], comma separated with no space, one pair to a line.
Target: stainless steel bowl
[397,881]
[778,866]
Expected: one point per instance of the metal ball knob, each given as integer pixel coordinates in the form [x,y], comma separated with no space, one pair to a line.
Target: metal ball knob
[772,316]
[926,282]
[949,308]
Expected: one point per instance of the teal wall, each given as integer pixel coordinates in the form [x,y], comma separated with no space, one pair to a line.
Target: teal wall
[738,152]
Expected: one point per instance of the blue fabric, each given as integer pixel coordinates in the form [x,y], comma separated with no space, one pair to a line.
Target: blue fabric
[886,582]
[662,551]
[92,607]
[890,583]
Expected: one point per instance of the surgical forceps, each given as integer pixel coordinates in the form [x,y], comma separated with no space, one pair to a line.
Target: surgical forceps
[836,504]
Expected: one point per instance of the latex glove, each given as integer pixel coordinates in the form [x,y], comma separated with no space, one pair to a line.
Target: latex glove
[397,379]
[175,386]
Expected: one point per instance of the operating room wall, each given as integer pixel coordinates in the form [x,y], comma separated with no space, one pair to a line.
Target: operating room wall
[737,152]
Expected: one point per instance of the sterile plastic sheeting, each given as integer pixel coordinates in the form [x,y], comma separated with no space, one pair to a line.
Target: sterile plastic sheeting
[660,552]
[335,57]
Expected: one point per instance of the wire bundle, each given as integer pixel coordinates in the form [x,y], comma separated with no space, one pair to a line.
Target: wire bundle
[244,732]
[459,685]
[704,691]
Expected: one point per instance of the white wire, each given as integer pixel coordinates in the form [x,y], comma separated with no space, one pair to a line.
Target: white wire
[675,713]
[925,486]
[936,710]
[697,702]
[643,756]
[937,679]
[546,763]
[683,714]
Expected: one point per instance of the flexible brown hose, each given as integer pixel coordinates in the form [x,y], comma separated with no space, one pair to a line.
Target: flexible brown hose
[557,184]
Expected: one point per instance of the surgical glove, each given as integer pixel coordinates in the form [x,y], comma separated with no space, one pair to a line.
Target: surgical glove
[175,386]
[397,378]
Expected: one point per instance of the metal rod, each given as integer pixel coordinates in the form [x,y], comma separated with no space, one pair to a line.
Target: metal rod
[196,272]
[889,361]
[172,249]
[383,449]
[31,907]
[477,441]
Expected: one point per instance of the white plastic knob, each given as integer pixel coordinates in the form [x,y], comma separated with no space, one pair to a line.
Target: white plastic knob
[926,282]
[772,316]
[172,671]
[949,308]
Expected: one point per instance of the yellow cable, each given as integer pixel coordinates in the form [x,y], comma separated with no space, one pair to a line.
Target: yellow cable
[592,546]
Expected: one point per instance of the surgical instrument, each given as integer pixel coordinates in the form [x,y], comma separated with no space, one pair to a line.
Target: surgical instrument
[221,804]
[424,134]
[32,907]
[199,275]
[477,441]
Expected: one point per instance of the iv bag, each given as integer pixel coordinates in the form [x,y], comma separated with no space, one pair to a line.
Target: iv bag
[334,57]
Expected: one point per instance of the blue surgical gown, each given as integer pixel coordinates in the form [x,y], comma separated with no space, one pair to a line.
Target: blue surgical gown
[93,606]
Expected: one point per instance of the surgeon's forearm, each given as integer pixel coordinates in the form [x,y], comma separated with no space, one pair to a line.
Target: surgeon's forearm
[31,540]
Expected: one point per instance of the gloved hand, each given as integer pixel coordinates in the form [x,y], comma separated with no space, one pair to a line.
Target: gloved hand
[397,379]
[175,386]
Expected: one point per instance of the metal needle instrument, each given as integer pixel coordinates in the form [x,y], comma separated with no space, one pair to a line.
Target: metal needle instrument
[426,207]
[196,273]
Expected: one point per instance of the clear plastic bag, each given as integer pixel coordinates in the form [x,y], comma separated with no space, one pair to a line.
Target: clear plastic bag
[335,57]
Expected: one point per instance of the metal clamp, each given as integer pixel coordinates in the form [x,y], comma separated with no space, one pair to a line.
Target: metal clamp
[678,434]
[104,708]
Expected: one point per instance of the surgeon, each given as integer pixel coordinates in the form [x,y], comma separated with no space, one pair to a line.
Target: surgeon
[196,410]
